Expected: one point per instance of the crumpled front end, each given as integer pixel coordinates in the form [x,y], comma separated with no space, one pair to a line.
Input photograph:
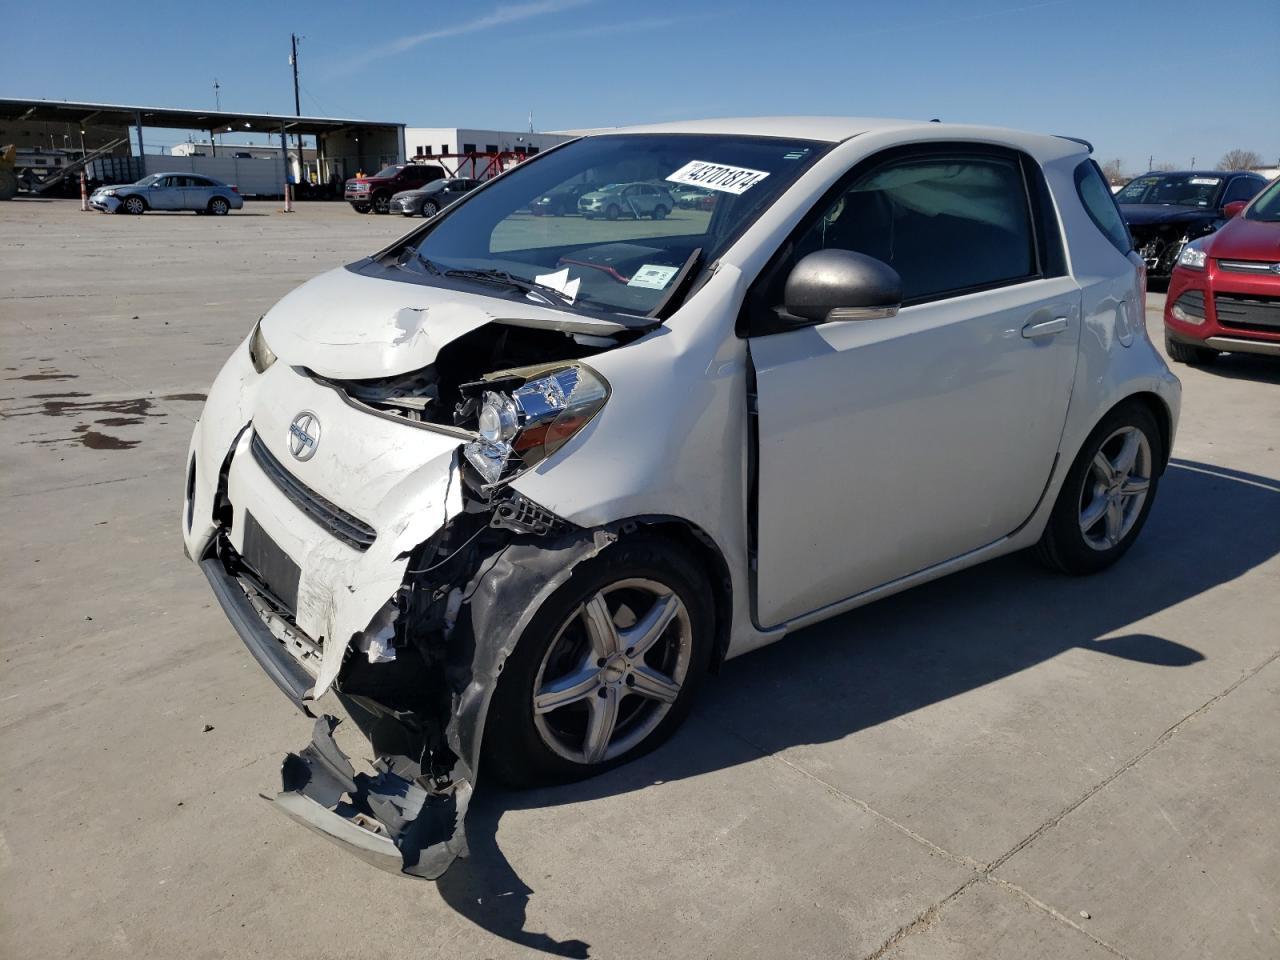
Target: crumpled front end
[355,550]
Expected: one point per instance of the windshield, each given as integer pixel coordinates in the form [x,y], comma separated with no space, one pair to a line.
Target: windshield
[148,181]
[387,172]
[615,250]
[1267,206]
[1178,189]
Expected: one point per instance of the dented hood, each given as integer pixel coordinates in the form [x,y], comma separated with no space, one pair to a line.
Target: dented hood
[349,326]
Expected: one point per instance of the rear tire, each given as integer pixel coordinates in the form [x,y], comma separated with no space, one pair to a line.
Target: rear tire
[1188,353]
[523,749]
[219,207]
[1074,544]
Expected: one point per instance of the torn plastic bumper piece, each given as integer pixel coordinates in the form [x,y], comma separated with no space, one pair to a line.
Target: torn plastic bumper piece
[387,819]
[286,672]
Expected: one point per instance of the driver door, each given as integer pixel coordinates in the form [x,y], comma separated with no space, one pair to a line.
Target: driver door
[888,446]
[167,193]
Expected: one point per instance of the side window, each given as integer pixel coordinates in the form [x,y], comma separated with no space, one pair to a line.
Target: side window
[1242,188]
[945,223]
[1100,204]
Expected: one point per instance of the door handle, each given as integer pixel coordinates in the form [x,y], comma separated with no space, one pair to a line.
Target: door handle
[1045,328]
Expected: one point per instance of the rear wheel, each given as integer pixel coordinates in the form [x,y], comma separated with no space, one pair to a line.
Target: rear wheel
[219,207]
[134,205]
[606,670]
[1189,353]
[1107,493]
[381,203]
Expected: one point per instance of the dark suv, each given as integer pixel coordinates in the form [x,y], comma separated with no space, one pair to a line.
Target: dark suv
[374,193]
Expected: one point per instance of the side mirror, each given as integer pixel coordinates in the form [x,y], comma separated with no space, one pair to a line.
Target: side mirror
[1233,209]
[842,285]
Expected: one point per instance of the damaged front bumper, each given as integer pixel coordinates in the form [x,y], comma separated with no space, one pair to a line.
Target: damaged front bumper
[389,819]
[410,629]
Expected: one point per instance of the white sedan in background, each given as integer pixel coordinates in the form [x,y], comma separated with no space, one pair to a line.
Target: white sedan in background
[512,486]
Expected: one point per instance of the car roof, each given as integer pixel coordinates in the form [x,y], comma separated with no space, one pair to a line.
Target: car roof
[837,129]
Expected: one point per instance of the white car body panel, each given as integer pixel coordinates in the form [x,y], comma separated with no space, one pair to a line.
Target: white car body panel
[687,379]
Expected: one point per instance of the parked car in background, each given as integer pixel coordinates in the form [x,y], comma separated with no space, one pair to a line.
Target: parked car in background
[626,200]
[435,196]
[168,191]
[374,193]
[562,201]
[695,199]
[511,497]
[1165,211]
[1224,294]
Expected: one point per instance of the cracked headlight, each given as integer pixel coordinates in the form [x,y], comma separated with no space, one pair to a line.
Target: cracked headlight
[259,353]
[526,426]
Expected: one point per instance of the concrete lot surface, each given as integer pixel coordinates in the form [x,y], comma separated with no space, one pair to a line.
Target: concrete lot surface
[1003,765]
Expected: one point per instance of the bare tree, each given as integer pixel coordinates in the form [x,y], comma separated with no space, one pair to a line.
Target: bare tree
[1239,160]
[1113,170]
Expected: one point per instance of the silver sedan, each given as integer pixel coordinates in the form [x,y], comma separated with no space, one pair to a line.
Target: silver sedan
[168,191]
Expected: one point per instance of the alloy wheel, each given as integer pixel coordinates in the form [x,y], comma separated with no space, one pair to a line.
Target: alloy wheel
[1115,488]
[613,671]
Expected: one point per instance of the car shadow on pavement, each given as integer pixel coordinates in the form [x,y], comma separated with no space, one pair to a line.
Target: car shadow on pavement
[1209,526]
[1244,366]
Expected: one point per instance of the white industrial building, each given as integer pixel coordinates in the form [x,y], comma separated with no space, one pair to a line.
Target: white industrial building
[424,142]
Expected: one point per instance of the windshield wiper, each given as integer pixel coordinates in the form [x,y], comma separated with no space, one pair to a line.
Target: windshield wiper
[500,277]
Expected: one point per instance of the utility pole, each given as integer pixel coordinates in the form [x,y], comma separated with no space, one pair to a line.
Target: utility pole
[217,102]
[297,102]
[1150,162]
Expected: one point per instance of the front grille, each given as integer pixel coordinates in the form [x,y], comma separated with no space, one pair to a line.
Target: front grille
[1248,313]
[1254,267]
[350,530]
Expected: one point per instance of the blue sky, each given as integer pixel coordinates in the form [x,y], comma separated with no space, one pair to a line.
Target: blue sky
[1175,79]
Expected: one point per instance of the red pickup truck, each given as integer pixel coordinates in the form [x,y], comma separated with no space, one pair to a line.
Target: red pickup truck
[374,193]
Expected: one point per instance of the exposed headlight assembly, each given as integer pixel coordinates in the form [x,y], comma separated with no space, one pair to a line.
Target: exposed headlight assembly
[1192,257]
[107,193]
[524,427]
[259,353]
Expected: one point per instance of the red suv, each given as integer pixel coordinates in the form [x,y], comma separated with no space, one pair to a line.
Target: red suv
[374,193]
[1224,294]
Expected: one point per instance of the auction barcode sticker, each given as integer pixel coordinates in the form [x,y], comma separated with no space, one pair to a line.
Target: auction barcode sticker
[717,176]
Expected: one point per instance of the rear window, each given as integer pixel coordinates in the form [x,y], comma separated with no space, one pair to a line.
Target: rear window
[1101,205]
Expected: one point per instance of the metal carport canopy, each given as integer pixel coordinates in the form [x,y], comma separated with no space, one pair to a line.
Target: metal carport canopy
[70,111]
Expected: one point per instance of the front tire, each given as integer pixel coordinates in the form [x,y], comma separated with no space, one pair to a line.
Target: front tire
[135,206]
[429,209]
[607,668]
[1107,494]
[612,213]
[1189,353]
[659,212]
[381,203]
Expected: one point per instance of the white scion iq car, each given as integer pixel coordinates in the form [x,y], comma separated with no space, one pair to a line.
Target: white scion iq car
[511,486]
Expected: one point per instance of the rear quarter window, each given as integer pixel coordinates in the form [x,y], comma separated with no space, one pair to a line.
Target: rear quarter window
[1099,203]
